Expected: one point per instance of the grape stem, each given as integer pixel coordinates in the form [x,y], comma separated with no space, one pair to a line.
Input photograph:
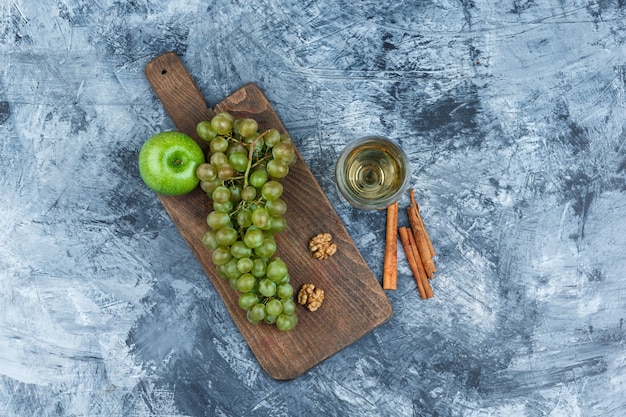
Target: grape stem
[250,154]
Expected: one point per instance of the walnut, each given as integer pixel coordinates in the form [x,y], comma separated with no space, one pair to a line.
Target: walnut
[321,246]
[310,296]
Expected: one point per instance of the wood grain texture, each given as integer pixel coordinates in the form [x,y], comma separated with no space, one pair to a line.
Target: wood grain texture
[355,302]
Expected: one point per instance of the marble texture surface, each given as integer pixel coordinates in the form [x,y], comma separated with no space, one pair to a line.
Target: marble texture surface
[513,114]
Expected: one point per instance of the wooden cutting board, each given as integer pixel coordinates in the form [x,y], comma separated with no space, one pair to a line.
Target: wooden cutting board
[355,303]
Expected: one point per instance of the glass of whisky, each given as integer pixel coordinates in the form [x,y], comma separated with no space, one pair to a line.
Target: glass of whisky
[372,172]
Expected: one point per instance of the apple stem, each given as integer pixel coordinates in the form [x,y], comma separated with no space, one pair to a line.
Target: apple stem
[250,154]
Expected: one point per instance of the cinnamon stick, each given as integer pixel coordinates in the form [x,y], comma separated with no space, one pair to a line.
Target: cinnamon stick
[421,221]
[410,257]
[390,268]
[420,266]
[421,242]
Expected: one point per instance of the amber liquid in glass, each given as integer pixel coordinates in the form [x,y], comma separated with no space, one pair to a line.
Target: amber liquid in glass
[372,172]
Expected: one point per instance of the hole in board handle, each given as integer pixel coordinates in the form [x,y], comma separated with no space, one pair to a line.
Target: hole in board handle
[163,71]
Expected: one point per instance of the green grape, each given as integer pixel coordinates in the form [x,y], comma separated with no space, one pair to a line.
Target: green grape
[222,123]
[221,194]
[278,224]
[285,280]
[237,147]
[283,151]
[284,290]
[248,193]
[221,255]
[208,240]
[267,248]
[233,283]
[253,238]
[228,116]
[204,130]
[206,172]
[209,186]
[235,193]
[272,190]
[225,207]
[269,319]
[225,171]
[218,159]
[245,265]
[277,168]
[260,217]
[239,161]
[236,124]
[226,236]
[240,250]
[256,313]
[230,269]
[217,219]
[292,160]
[272,137]
[247,127]
[276,208]
[258,269]
[258,178]
[219,144]
[244,218]
[276,270]
[274,307]
[248,300]
[286,322]
[268,224]
[220,271]
[258,145]
[289,306]
[267,288]
[246,282]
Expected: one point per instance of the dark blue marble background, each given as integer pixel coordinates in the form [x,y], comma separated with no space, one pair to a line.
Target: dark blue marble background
[512,112]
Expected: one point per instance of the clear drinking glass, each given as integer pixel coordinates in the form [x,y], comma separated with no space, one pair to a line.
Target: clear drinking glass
[372,172]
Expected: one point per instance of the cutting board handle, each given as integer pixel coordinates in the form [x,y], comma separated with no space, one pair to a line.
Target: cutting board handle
[181,97]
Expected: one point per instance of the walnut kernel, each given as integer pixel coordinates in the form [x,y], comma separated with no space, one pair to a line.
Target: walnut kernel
[321,246]
[310,296]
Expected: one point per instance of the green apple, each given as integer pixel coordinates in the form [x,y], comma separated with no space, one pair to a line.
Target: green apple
[168,161]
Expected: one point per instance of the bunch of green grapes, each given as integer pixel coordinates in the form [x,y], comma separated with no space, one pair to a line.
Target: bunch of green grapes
[242,178]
